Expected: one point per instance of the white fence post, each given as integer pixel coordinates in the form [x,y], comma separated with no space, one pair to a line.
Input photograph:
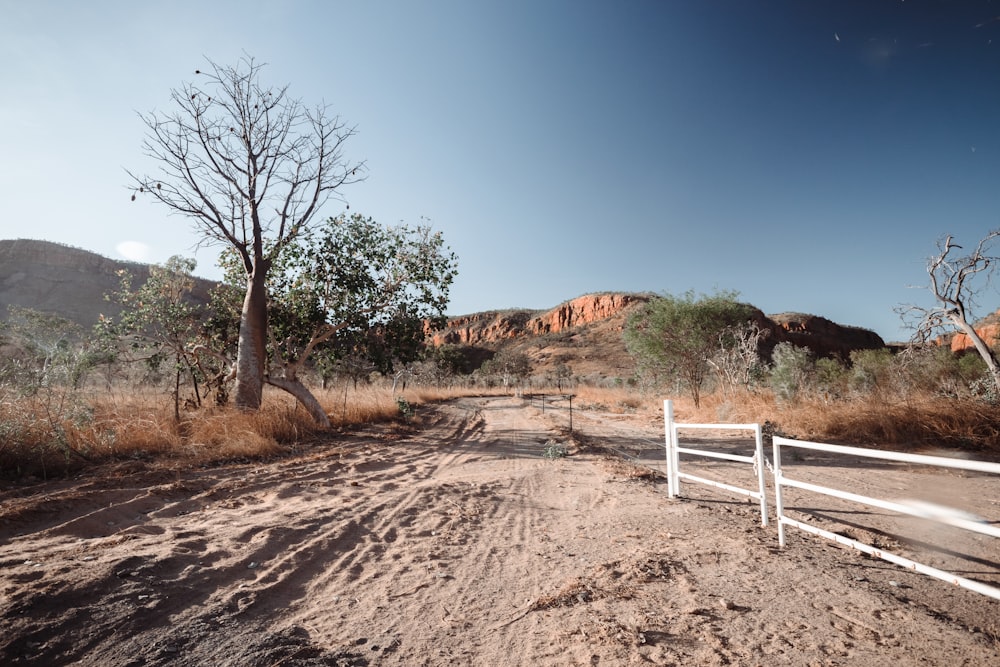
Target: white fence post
[674,450]
[668,426]
[761,463]
[778,505]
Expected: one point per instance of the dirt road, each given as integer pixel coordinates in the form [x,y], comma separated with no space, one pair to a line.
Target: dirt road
[457,543]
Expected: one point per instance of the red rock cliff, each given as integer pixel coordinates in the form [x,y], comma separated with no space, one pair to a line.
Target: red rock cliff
[495,327]
[582,310]
[990,333]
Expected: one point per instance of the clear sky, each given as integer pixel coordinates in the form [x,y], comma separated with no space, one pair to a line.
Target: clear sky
[807,154]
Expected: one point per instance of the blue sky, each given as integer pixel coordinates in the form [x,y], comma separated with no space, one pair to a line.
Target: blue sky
[807,154]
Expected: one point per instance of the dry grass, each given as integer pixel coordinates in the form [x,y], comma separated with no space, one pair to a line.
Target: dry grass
[919,422]
[37,440]
[621,400]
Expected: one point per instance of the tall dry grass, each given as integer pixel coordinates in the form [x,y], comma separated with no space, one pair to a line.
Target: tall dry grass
[922,421]
[36,440]
[912,422]
[140,425]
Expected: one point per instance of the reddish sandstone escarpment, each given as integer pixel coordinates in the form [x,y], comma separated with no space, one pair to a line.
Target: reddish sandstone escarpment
[582,310]
[498,326]
[990,333]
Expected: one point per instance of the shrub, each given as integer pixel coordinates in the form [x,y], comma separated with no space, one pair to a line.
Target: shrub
[790,370]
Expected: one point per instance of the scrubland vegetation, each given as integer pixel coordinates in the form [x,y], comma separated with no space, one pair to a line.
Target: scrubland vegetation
[53,422]
[150,388]
[60,429]
[335,314]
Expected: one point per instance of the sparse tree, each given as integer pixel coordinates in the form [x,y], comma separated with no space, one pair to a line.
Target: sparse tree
[563,374]
[737,360]
[677,335]
[873,371]
[955,282]
[159,322]
[52,351]
[252,166]
[444,362]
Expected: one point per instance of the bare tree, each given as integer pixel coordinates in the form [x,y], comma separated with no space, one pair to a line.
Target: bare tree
[955,281]
[737,360]
[251,166]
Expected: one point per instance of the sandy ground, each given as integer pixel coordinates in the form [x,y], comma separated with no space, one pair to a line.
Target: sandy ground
[458,543]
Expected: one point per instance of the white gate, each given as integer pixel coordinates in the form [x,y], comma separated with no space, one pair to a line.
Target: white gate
[674,449]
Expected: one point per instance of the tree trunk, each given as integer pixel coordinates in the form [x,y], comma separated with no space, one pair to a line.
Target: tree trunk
[251,354]
[982,348]
[303,396]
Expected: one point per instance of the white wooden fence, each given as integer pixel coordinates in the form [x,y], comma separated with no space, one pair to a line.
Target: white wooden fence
[947,516]
[674,474]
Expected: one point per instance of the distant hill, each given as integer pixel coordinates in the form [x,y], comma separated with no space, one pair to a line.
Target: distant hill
[67,281]
[584,333]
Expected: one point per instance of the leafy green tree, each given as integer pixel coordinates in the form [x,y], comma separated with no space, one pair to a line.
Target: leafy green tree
[507,366]
[830,377]
[677,335]
[160,323]
[252,167]
[358,287]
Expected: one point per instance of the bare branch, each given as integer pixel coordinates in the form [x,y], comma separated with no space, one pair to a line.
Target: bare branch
[955,282]
[252,167]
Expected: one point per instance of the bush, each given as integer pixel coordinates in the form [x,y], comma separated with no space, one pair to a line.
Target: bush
[791,369]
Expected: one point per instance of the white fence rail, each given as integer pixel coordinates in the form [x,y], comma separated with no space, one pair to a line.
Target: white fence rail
[673,451]
[956,518]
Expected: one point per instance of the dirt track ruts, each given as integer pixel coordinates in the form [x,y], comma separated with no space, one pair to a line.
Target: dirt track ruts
[456,544]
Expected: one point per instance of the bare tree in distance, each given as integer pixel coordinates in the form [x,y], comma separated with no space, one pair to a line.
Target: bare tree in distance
[251,166]
[955,282]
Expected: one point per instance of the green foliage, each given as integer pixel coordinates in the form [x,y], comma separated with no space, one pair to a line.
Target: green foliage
[871,370]
[52,352]
[352,296]
[507,367]
[554,450]
[791,369]
[674,336]
[444,362]
[970,366]
[41,386]
[160,324]
[365,287]
[831,378]
[404,407]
